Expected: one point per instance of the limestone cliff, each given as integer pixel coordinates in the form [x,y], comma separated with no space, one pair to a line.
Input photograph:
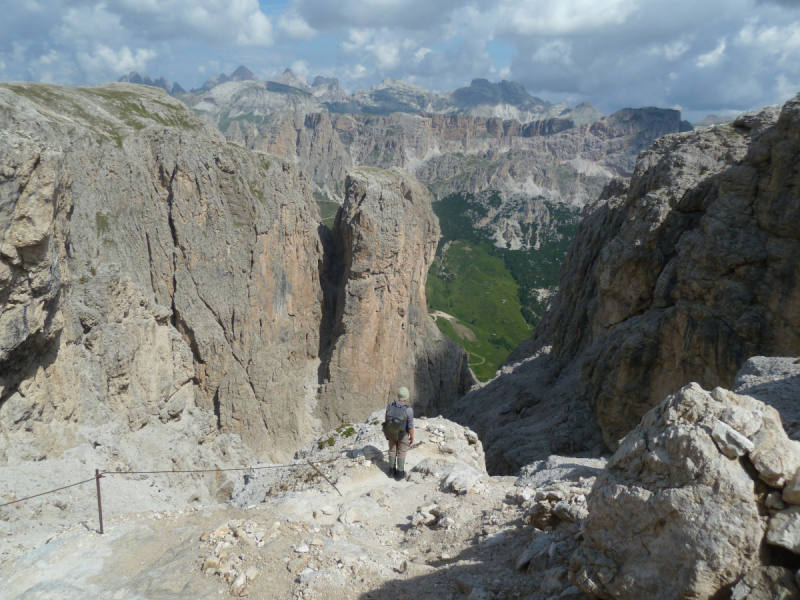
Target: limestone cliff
[384,241]
[464,153]
[220,244]
[678,275]
[153,275]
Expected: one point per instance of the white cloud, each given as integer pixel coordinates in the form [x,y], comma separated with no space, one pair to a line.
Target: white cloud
[557,51]
[714,57]
[386,54]
[559,17]
[382,46]
[780,41]
[32,6]
[357,39]
[238,22]
[784,89]
[671,50]
[420,54]
[51,57]
[295,27]
[356,72]
[106,60]
[300,67]
[256,31]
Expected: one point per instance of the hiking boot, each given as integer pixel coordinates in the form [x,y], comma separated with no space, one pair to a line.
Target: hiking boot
[392,472]
[399,475]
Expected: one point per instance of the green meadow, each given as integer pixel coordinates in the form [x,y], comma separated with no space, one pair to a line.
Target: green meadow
[491,292]
[327,210]
[477,289]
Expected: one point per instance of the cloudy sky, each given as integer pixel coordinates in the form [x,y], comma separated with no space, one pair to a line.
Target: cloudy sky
[702,56]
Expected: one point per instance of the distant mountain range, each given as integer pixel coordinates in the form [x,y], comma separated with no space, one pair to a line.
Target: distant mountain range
[482,98]
[161,82]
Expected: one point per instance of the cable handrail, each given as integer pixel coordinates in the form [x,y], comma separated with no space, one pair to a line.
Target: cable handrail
[48,492]
[100,474]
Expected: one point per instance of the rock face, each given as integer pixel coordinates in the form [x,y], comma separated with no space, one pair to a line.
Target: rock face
[703,513]
[460,153]
[385,238]
[150,272]
[220,243]
[680,274]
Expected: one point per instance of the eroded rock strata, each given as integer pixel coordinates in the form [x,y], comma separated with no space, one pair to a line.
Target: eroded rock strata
[464,153]
[679,274]
[150,273]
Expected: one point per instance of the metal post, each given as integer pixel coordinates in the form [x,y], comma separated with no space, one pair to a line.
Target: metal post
[99,502]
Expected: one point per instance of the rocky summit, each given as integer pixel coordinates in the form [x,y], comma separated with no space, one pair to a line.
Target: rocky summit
[182,330]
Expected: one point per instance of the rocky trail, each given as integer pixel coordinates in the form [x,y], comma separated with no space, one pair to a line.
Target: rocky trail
[449,530]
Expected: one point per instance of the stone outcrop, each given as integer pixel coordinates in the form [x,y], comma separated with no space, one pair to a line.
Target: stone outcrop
[698,518]
[380,335]
[152,274]
[679,274]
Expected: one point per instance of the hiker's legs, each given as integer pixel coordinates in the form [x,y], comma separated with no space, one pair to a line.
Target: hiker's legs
[393,453]
[402,449]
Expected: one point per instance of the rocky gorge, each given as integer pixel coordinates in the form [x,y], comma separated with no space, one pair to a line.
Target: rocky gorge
[153,274]
[173,301]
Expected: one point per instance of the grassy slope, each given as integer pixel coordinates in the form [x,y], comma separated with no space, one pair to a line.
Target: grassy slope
[458,284]
[328,211]
[469,283]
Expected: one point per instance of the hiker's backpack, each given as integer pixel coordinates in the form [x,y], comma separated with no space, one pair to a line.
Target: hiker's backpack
[394,426]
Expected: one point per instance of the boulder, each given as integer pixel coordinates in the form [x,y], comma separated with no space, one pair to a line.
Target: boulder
[730,442]
[554,582]
[536,554]
[683,502]
[459,480]
[784,529]
[767,583]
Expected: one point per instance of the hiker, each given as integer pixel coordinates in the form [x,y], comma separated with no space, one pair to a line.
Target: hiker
[398,427]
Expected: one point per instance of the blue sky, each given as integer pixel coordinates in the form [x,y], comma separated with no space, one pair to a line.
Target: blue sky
[701,56]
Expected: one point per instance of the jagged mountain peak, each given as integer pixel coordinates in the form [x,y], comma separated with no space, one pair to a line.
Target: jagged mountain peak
[288,77]
[242,73]
[161,82]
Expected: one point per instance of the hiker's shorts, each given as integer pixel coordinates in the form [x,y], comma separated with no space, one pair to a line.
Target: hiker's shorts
[398,448]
